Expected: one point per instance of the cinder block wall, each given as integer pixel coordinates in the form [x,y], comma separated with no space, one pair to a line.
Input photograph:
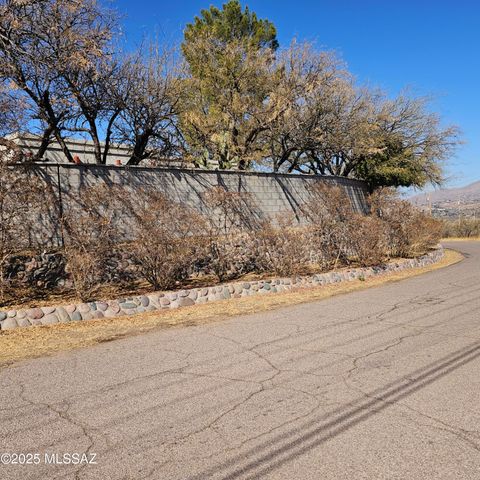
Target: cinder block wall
[273,193]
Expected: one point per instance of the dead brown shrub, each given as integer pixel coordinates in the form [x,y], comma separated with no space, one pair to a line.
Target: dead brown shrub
[22,202]
[91,236]
[462,228]
[284,248]
[368,240]
[329,211]
[424,234]
[231,223]
[167,242]
[409,231]
[164,242]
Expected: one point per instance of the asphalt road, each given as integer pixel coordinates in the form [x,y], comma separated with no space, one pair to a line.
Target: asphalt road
[379,384]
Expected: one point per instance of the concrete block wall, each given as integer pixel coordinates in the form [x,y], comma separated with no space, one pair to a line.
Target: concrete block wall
[274,194]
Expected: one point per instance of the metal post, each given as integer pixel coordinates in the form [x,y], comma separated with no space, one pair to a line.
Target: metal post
[60,205]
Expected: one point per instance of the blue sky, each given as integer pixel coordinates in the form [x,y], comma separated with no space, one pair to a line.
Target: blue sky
[430,46]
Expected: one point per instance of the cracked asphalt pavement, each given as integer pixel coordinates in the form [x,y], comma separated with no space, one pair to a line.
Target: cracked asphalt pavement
[382,383]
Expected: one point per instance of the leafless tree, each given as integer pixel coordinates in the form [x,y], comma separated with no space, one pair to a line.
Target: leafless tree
[331,126]
[410,138]
[343,130]
[50,51]
[11,116]
[98,94]
[147,118]
[360,132]
[305,80]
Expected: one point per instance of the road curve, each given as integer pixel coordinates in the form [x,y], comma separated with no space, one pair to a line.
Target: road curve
[377,384]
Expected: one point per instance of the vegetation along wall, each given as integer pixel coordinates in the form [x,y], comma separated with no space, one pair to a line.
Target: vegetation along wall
[273,194]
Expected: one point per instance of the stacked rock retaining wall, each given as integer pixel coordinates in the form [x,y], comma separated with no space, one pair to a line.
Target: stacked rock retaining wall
[169,300]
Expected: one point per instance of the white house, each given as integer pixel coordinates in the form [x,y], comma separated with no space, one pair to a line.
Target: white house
[83,150]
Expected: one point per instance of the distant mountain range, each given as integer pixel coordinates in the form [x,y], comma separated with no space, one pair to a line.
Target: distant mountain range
[451,202]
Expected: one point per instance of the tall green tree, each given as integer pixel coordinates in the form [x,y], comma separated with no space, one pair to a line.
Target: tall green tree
[227,101]
[229,24]
[226,113]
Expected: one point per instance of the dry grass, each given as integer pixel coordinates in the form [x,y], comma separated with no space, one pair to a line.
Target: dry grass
[460,239]
[23,343]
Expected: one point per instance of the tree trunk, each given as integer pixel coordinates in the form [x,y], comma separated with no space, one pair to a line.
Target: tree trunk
[139,148]
[108,136]
[63,145]
[47,134]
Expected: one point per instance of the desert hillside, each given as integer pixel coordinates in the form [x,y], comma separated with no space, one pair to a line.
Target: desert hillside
[451,202]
